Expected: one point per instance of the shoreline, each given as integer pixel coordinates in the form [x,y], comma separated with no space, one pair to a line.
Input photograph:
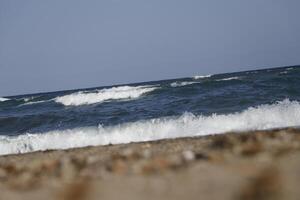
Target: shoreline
[247,165]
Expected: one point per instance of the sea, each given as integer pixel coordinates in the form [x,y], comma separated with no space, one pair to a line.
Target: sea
[185,107]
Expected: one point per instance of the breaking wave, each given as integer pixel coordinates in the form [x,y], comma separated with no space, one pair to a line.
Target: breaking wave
[28,99]
[179,84]
[229,79]
[3,99]
[34,102]
[281,114]
[202,76]
[115,93]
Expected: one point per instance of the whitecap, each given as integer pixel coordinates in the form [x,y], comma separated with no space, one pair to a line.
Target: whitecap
[34,102]
[114,93]
[27,99]
[180,84]
[284,72]
[285,113]
[202,76]
[3,99]
[229,79]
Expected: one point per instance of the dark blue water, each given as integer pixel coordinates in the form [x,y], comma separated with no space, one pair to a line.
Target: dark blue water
[195,99]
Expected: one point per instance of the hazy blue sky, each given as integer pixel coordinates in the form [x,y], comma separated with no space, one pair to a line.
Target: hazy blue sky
[62,44]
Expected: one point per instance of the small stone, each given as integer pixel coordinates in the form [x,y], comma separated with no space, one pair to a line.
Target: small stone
[92,160]
[119,167]
[147,154]
[188,155]
[127,152]
[50,165]
[161,163]
[251,149]
[175,161]
[75,191]
[201,156]
[222,142]
[147,168]
[11,169]
[3,174]
[130,154]
[68,170]
[147,145]
[24,181]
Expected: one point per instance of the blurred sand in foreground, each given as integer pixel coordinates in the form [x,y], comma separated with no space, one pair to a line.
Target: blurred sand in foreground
[252,165]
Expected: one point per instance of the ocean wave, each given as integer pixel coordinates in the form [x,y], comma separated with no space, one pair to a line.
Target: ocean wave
[202,76]
[284,72]
[252,72]
[115,93]
[229,79]
[3,99]
[281,114]
[34,102]
[27,99]
[184,83]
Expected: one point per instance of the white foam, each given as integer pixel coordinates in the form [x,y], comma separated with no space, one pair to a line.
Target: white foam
[115,93]
[202,76]
[3,99]
[35,102]
[26,99]
[229,79]
[180,84]
[284,72]
[281,114]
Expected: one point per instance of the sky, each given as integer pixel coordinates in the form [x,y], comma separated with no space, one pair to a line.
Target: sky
[68,44]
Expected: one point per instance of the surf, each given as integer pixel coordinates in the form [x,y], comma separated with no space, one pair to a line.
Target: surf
[284,113]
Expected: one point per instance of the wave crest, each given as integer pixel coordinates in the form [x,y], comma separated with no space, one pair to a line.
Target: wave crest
[281,114]
[3,99]
[202,76]
[115,93]
[229,79]
[179,84]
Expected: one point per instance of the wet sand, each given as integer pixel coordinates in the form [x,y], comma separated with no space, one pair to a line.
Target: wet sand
[252,165]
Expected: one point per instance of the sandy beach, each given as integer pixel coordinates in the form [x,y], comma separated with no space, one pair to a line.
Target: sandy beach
[252,165]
